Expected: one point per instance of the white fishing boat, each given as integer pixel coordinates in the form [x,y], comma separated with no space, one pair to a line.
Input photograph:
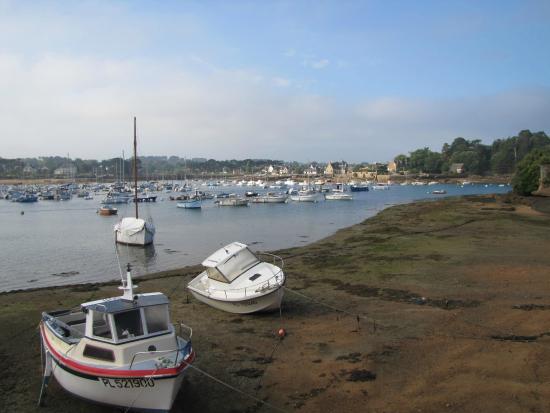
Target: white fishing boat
[270,198]
[236,281]
[192,202]
[135,230]
[121,351]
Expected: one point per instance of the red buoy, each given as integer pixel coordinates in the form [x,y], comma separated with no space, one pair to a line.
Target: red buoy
[281,332]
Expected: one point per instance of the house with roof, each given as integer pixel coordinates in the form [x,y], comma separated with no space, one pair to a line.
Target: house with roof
[456,168]
[336,168]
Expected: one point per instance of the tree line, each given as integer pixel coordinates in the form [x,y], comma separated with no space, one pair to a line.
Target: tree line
[500,157]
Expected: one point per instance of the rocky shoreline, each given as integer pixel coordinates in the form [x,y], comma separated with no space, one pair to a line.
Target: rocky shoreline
[444,307]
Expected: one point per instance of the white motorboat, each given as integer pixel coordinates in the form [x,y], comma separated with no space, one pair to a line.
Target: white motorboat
[232,201]
[270,198]
[121,351]
[304,195]
[236,281]
[380,186]
[338,196]
[135,230]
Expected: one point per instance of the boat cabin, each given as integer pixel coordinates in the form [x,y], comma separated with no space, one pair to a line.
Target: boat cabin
[229,262]
[115,320]
[119,320]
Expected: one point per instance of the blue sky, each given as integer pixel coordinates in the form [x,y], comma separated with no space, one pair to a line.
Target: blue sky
[303,80]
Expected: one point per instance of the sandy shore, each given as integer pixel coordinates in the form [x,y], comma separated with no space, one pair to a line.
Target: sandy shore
[453,299]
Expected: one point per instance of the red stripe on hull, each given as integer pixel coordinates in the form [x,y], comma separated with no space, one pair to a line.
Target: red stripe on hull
[112,372]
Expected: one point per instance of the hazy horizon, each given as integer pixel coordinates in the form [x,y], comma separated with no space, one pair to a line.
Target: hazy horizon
[304,80]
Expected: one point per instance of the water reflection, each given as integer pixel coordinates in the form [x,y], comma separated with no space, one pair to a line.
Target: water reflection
[142,259]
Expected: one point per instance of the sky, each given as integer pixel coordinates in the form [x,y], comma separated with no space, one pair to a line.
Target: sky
[290,80]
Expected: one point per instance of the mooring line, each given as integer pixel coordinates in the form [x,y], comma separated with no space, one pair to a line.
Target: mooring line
[229,386]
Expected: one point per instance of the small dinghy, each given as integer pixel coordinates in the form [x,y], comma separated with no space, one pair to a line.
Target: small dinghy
[236,281]
[121,351]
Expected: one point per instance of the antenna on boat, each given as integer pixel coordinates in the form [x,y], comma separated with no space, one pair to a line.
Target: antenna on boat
[127,285]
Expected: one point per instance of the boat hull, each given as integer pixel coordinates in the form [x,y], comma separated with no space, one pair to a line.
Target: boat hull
[143,394]
[194,204]
[268,302]
[303,198]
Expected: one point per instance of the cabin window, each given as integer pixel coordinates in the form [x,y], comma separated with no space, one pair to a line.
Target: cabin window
[128,324]
[238,264]
[100,325]
[156,318]
[98,353]
[214,274]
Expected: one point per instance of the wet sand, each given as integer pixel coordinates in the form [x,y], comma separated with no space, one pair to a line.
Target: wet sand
[453,300]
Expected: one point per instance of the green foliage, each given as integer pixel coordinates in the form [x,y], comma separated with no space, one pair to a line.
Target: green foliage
[424,160]
[526,178]
[501,157]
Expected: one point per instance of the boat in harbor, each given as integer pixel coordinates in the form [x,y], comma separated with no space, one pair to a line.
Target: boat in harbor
[270,198]
[439,192]
[237,281]
[121,351]
[107,210]
[232,200]
[192,202]
[306,194]
[359,188]
[380,186]
[135,230]
[338,196]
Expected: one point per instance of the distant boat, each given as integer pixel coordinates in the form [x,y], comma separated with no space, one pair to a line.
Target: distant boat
[26,198]
[237,281]
[338,196]
[270,198]
[359,188]
[193,202]
[232,201]
[439,192]
[379,186]
[107,210]
[134,230]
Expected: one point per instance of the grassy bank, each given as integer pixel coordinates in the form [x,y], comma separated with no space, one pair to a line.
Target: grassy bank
[454,315]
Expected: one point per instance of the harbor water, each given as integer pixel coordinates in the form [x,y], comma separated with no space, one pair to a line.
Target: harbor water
[49,243]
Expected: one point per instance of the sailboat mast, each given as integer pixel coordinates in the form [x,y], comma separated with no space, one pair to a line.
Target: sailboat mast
[135,169]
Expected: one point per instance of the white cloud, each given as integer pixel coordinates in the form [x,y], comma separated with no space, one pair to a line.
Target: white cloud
[58,104]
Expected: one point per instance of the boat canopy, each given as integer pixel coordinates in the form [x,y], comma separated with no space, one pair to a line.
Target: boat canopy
[131,225]
[229,262]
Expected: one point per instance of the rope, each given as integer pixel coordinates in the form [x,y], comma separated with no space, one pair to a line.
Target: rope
[357,316]
[229,386]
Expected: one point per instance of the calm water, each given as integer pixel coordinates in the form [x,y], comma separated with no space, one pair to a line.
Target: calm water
[56,243]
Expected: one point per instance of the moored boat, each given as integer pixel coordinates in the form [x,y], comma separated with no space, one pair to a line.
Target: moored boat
[120,351]
[237,281]
[338,196]
[232,201]
[270,198]
[135,230]
[107,210]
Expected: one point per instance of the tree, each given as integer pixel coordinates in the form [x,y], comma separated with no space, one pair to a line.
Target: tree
[526,178]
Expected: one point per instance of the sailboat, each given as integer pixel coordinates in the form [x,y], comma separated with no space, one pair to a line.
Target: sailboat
[134,230]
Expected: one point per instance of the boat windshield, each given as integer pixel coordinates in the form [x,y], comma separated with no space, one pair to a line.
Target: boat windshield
[234,266]
[128,324]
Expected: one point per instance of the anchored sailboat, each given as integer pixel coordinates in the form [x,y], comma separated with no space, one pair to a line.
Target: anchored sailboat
[130,230]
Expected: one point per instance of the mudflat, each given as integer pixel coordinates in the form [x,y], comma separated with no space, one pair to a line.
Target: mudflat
[445,307]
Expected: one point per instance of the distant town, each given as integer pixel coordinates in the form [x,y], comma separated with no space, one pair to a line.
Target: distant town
[460,158]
